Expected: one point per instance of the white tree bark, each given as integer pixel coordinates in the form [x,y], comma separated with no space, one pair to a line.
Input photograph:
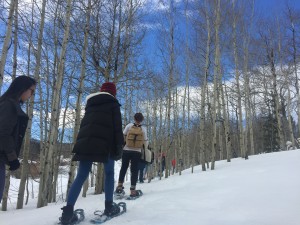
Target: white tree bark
[7,39]
[238,91]
[52,138]
[26,150]
[216,78]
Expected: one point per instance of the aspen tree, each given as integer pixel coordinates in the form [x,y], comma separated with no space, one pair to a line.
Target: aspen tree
[295,61]
[99,185]
[52,138]
[154,135]
[16,24]
[286,85]
[237,79]
[171,69]
[226,123]
[6,189]
[184,146]
[80,90]
[57,154]
[26,148]
[248,111]
[5,46]
[13,10]
[204,89]
[216,75]
[270,56]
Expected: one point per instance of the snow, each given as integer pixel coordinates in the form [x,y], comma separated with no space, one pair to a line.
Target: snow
[264,190]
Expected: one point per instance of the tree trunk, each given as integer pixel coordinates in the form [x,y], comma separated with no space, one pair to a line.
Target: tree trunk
[216,75]
[15,58]
[277,104]
[226,124]
[239,97]
[80,92]
[7,39]
[24,173]
[99,186]
[52,139]
[171,49]
[6,189]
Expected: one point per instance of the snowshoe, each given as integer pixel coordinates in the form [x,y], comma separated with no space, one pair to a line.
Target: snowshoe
[116,210]
[137,194]
[76,218]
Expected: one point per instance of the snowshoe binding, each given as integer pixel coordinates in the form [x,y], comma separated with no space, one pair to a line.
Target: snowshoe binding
[134,195]
[71,217]
[115,210]
[119,193]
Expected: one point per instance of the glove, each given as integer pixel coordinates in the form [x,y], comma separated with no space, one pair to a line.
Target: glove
[119,152]
[14,165]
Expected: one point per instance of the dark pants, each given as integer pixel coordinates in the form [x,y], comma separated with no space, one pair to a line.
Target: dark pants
[134,158]
[2,179]
[142,166]
[83,173]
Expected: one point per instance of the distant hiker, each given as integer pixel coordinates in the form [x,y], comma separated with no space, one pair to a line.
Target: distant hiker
[100,139]
[13,124]
[161,163]
[135,136]
[173,165]
[142,167]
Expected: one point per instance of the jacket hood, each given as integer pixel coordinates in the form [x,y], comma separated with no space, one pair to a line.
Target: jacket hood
[97,93]
[100,98]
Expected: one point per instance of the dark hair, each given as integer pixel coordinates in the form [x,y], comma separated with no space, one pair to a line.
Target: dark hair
[139,117]
[18,87]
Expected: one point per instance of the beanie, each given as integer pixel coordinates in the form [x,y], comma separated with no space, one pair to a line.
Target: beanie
[109,87]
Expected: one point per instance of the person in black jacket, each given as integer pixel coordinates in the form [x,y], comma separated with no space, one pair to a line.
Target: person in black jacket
[13,124]
[100,139]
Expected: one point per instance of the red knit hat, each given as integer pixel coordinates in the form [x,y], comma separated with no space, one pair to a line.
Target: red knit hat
[109,87]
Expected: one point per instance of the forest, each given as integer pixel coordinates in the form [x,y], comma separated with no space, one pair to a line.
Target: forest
[215,79]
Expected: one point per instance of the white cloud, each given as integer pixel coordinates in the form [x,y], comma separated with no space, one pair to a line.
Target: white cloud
[158,5]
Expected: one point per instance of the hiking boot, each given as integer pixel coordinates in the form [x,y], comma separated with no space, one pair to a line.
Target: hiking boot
[119,189]
[134,193]
[111,209]
[68,215]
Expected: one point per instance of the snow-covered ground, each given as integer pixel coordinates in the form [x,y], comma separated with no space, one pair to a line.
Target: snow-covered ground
[264,190]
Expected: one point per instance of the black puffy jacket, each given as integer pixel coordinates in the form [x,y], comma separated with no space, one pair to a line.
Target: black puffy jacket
[13,124]
[100,135]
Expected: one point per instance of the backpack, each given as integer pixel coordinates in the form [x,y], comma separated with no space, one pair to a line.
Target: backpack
[135,137]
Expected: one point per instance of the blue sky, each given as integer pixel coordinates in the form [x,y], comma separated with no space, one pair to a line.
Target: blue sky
[271,6]
[263,8]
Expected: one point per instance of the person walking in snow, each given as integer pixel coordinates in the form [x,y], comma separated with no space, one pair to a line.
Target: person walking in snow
[142,167]
[13,124]
[173,162]
[100,139]
[135,138]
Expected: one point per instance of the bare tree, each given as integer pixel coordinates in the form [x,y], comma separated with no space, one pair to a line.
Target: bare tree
[237,78]
[26,150]
[46,179]
[216,78]
[7,39]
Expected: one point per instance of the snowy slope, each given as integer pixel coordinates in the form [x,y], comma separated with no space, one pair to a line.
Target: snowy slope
[264,190]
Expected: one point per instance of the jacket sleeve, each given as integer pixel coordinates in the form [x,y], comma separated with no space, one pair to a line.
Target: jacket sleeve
[8,121]
[117,123]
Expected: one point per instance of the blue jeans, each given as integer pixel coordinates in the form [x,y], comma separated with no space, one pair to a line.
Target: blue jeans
[83,173]
[2,179]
